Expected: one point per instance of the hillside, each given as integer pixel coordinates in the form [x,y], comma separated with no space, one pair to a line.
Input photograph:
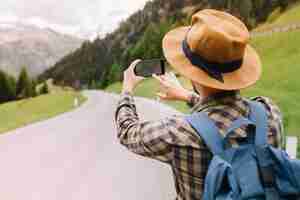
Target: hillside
[36,49]
[281,20]
[280,54]
[140,37]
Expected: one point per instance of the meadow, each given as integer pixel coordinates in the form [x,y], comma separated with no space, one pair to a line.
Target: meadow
[21,113]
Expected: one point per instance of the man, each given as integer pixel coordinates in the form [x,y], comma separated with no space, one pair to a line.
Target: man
[215,55]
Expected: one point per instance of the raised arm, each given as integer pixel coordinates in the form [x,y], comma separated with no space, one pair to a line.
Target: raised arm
[146,138]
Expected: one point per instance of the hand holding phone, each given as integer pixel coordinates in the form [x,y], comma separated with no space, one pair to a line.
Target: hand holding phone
[171,89]
[147,68]
[130,80]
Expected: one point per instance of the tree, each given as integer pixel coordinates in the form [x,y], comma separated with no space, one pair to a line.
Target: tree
[28,91]
[33,88]
[7,88]
[24,85]
[115,72]
[149,45]
[22,81]
[284,4]
[93,85]
[44,89]
[11,87]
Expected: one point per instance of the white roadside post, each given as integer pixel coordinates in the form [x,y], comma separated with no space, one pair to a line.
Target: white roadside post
[76,102]
[291,146]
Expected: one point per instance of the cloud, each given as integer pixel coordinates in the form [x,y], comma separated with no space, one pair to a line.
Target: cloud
[117,13]
[84,18]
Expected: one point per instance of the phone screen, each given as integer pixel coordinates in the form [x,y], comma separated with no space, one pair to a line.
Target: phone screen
[146,68]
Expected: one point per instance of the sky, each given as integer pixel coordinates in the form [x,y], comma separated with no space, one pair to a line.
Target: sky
[82,18]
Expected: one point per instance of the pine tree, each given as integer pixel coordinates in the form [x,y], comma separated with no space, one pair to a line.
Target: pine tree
[11,87]
[7,88]
[33,88]
[28,90]
[24,85]
[44,89]
[2,88]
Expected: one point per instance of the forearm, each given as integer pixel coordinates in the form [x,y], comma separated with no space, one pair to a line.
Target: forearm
[129,127]
[126,114]
[145,138]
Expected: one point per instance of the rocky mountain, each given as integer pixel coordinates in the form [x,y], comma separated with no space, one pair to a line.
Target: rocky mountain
[32,47]
[140,36]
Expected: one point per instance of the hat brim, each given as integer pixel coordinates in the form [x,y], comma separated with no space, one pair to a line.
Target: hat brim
[247,75]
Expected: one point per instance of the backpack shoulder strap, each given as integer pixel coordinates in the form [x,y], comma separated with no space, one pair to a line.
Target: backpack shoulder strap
[235,125]
[208,131]
[258,115]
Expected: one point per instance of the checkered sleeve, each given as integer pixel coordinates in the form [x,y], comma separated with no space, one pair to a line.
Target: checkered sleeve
[145,138]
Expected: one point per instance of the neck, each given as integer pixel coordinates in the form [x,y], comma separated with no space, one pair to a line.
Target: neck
[206,92]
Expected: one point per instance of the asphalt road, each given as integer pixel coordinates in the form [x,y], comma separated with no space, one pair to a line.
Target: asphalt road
[76,156]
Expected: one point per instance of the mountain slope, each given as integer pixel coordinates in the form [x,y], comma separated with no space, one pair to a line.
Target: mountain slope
[143,31]
[32,47]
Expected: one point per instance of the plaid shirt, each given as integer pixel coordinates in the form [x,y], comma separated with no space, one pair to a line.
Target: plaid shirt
[175,142]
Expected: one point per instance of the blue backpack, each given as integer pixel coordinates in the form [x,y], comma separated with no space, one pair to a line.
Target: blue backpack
[254,170]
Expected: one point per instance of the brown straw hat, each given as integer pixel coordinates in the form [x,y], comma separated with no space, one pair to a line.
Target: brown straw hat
[213,51]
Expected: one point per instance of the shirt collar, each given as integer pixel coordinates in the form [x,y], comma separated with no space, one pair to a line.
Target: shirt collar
[220,98]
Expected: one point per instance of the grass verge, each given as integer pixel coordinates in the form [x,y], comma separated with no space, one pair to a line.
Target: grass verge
[21,113]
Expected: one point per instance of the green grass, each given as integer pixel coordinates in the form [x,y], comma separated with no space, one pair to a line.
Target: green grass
[20,113]
[280,55]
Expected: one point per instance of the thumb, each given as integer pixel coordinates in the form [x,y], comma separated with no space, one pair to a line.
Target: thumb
[134,63]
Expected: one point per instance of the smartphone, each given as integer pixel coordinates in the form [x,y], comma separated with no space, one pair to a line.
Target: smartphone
[146,68]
